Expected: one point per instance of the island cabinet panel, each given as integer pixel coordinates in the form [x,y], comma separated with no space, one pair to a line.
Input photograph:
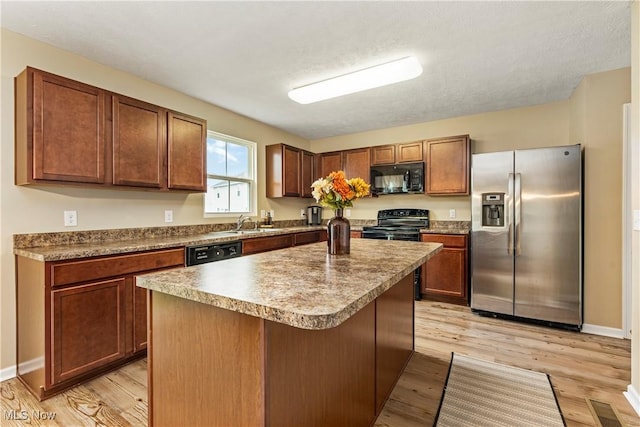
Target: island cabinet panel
[186,152]
[88,327]
[445,276]
[60,130]
[138,143]
[322,377]
[79,318]
[394,337]
[328,162]
[309,237]
[448,165]
[206,365]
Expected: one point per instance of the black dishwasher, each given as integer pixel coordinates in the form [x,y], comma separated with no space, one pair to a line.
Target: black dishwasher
[202,254]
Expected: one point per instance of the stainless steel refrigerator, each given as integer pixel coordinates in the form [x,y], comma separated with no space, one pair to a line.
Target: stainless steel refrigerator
[526,239]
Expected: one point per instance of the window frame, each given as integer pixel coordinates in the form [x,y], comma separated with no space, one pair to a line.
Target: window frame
[252,181]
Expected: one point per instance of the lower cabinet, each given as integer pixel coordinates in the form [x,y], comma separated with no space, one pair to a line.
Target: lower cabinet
[79,318]
[270,243]
[445,276]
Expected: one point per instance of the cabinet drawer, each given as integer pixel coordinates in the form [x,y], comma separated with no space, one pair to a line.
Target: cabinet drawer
[306,237]
[447,240]
[263,244]
[65,273]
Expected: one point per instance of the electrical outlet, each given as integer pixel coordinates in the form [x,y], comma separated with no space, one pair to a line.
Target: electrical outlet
[168,216]
[636,220]
[347,212]
[263,213]
[452,213]
[273,213]
[70,218]
[303,213]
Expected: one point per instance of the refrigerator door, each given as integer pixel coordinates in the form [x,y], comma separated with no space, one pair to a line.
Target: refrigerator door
[548,270]
[491,245]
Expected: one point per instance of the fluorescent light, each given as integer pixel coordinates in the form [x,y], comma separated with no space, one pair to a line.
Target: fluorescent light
[369,78]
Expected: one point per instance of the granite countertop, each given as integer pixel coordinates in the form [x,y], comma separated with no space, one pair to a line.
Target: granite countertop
[300,286]
[444,230]
[115,246]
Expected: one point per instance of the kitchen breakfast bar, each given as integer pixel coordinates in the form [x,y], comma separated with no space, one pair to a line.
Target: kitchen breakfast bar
[284,338]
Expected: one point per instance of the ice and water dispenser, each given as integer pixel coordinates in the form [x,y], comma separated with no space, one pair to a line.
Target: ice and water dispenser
[493,209]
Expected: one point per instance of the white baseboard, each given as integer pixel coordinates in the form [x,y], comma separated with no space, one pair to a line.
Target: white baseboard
[633,397]
[602,330]
[7,373]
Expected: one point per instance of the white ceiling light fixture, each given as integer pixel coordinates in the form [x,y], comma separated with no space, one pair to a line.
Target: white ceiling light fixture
[368,78]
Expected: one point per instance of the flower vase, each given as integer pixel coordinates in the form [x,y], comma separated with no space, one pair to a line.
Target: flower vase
[338,235]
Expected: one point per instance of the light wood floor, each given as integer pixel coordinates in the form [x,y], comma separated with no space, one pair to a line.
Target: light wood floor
[580,366]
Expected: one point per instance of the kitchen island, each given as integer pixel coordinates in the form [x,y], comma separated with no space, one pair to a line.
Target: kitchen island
[288,337]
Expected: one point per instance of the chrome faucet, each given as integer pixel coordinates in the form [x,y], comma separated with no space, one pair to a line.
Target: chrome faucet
[241,220]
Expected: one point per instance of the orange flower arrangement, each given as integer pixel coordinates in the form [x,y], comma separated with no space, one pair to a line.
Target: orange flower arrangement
[337,192]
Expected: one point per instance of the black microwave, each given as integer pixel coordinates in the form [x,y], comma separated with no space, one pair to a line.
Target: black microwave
[400,178]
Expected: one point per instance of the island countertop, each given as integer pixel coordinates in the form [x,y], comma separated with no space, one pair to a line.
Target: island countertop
[300,286]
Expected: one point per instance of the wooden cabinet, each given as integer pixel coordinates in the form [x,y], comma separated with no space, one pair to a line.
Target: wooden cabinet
[139,141]
[328,162]
[186,152]
[445,276]
[270,243]
[60,130]
[289,171]
[383,155]
[409,152]
[357,163]
[79,318]
[356,234]
[448,165]
[70,132]
[88,327]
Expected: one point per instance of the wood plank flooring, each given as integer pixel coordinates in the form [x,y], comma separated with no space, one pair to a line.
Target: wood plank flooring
[580,365]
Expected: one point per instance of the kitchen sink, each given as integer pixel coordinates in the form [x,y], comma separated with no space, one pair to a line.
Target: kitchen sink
[243,232]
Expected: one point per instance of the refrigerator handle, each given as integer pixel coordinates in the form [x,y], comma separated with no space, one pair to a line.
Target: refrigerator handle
[518,211]
[508,217]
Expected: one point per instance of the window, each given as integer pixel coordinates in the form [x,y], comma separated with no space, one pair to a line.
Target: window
[231,171]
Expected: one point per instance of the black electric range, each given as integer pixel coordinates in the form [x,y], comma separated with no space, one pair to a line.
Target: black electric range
[400,224]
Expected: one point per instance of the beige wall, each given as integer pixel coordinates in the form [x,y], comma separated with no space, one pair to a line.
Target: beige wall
[635,202]
[592,117]
[29,210]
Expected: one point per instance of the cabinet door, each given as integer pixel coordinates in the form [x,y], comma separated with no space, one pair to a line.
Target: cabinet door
[67,130]
[357,163]
[186,152]
[307,174]
[383,155]
[329,162]
[410,152]
[263,244]
[448,165]
[139,319]
[88,327]
[291,172]
[139,131]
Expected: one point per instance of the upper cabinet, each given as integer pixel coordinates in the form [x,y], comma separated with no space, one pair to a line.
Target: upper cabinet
[328,162]
[407,152]
[357,163]
[289,171]
[448,163]
[60,130]
[186,152]
[70,132]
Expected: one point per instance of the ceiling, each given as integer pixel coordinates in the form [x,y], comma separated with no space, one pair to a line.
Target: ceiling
[245,56]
